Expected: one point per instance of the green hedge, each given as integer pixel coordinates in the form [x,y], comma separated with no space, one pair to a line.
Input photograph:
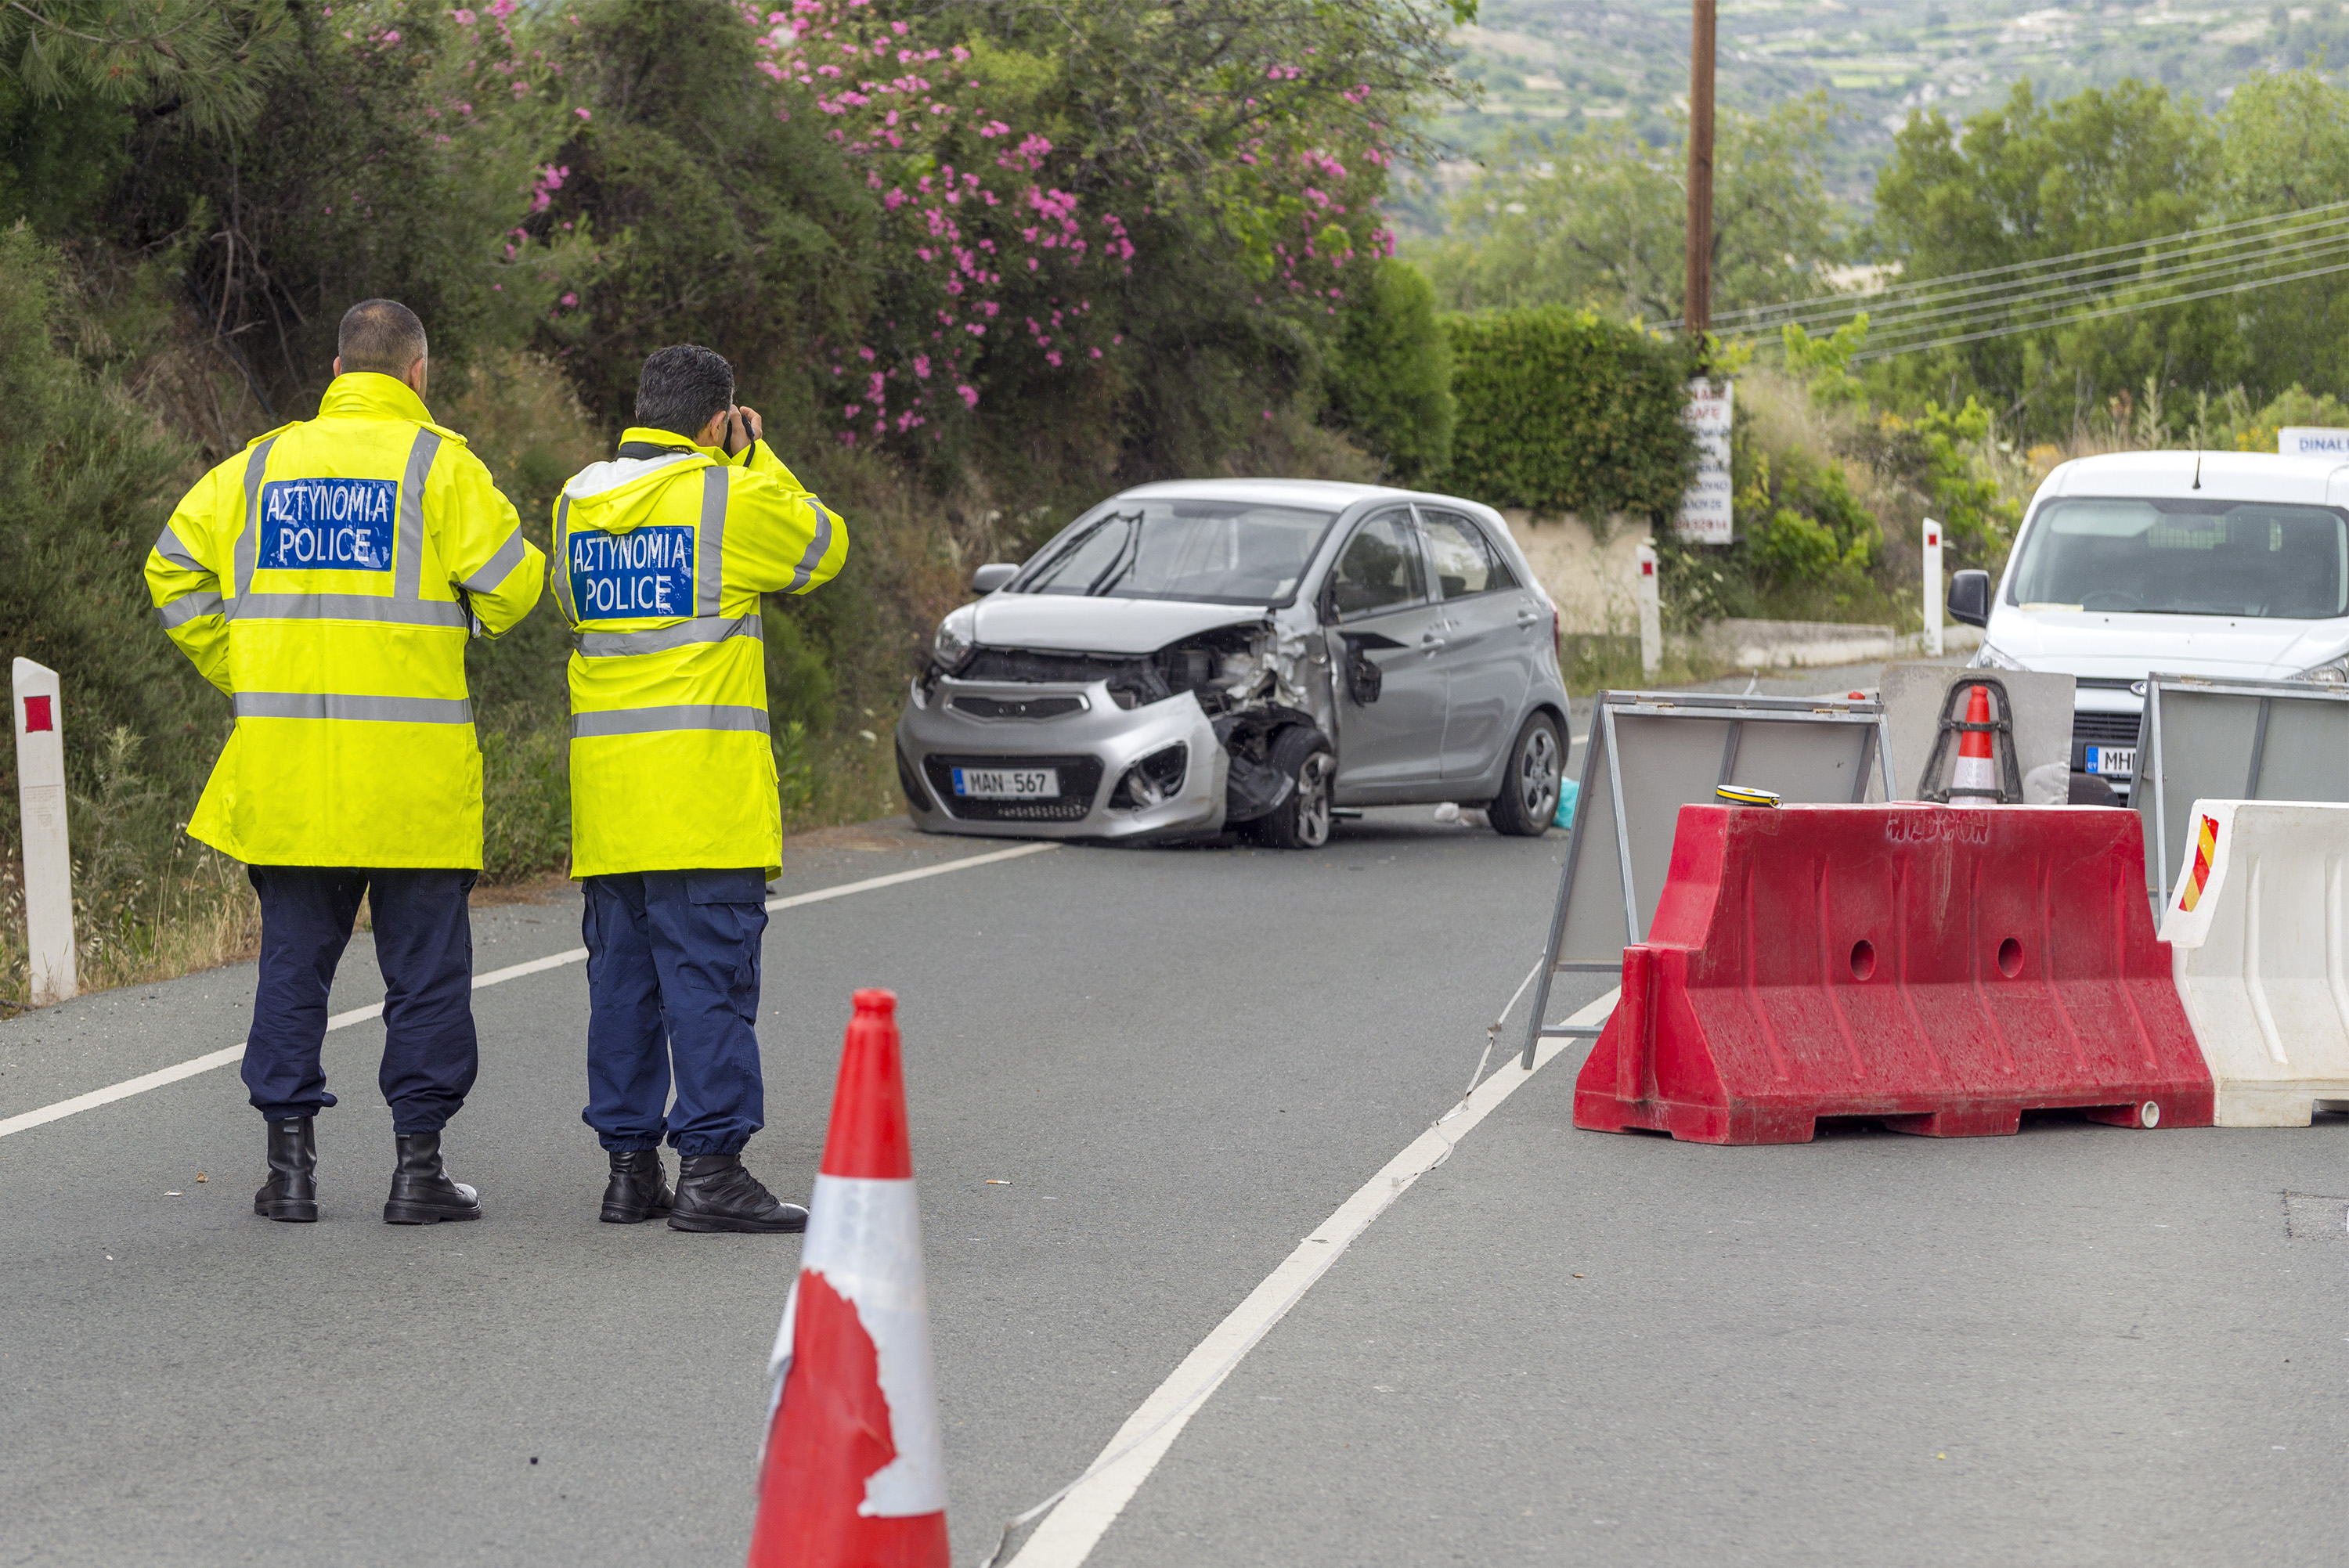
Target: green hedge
[1563,410]
[1391,381]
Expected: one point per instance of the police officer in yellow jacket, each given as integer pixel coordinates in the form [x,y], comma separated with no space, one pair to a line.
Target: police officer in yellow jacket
[325,579]
[660,558]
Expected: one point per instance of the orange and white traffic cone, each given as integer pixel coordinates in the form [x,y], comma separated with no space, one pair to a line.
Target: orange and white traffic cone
[1975,768]
[854,1474]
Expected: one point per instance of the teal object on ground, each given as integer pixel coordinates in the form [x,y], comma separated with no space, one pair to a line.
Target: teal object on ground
[1568,791]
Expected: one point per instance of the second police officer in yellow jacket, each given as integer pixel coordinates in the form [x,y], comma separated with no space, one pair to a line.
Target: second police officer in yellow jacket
[325,579]
[660,560]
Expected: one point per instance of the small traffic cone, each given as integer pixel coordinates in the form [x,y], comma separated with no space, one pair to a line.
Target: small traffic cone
[1974,769]
[854,1475]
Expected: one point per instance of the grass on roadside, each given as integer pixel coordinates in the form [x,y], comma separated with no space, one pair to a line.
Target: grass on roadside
[1595,662]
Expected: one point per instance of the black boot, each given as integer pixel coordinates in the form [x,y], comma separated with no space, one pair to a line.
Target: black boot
[637,1190]
[421,1192]
[292,1191]
[715,1193]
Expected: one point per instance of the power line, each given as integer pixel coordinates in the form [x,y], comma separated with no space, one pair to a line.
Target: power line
[2152,270]
[2066,319]
[1932,320]
[1840,304]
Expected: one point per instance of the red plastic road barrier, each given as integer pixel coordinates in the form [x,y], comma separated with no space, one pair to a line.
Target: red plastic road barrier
[1942,970]
[856,1473]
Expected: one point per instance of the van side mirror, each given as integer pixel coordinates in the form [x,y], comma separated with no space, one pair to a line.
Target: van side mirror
[1970,598]
[991,576]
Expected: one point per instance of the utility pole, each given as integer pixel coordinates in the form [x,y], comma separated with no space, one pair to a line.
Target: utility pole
[1697,314]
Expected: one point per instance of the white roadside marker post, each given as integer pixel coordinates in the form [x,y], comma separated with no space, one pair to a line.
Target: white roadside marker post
[41,804]
[1933,589]
[1652,614]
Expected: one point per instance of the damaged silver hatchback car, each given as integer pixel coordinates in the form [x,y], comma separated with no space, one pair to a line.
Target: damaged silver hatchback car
[1189,657]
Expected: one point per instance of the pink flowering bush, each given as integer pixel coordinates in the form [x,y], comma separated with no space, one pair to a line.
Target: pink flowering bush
[1008,236]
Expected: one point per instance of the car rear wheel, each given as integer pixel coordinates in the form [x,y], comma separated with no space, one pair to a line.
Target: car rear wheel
[1301,820]
[1528,797]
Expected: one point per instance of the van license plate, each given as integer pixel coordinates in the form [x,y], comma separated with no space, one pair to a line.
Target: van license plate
[2112,761]
[1006,783]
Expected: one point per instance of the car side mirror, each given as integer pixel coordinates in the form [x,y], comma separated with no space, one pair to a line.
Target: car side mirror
[991,576]
[1970,598]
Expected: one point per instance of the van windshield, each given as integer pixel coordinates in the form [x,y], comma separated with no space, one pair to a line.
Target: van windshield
[1211,552]
[2187,558]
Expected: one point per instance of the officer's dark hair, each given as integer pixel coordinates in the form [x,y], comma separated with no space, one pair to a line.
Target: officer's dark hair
[681,388]
[379,334]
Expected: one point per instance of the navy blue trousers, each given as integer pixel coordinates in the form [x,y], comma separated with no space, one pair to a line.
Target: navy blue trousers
[673,995]
[423,944]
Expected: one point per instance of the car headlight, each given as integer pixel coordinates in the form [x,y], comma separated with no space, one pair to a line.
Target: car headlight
[955,638]
[2332,672]
[1987,657]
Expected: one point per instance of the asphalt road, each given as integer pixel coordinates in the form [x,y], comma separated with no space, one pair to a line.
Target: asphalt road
[2079,1344]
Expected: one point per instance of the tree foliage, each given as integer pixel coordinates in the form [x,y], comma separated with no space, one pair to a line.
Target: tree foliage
[2033,181]
[1599,219]
[208,63]
[1391,378]
[81,472]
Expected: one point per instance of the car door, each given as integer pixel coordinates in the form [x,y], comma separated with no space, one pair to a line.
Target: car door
[1492,629]
[1377,610]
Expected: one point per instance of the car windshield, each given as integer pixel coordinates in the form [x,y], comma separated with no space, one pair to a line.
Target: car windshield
[2187,558]
[1213,551]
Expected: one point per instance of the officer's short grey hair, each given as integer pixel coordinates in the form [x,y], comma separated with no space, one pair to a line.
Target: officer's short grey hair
[381,334]
[681,388]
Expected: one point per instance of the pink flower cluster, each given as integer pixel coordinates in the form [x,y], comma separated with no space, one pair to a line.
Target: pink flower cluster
[961,193]
[541,190]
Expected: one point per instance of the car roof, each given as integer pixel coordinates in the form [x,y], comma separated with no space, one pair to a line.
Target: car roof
[2229,476]
[1336,495]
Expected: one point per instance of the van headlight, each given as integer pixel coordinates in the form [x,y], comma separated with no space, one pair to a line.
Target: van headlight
[1987,657]
[955,638]
[2332,672]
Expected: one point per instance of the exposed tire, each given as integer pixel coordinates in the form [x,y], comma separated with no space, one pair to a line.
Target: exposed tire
[1528,797]
[1301,822]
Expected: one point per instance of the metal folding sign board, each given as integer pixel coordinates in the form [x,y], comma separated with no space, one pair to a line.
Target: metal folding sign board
[2206,739]
[1649,754]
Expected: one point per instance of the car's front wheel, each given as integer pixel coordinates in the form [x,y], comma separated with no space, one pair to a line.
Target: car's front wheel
[1528,797]
[1301,820]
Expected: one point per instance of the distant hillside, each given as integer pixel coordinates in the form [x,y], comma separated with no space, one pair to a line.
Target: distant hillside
[1555,65]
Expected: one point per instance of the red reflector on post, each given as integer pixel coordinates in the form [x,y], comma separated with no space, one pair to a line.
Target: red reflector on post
[37,716]
[1941,971]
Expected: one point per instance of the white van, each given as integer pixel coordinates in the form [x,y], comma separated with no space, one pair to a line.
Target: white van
[2200,564]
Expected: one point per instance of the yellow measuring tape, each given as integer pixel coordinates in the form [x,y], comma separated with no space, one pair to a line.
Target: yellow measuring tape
[1745,795]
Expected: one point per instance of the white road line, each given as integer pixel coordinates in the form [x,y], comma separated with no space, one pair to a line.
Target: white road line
[894,877]
[221,1058]
[1071,1530]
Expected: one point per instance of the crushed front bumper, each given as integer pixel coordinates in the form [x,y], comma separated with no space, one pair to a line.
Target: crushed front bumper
[1077,730]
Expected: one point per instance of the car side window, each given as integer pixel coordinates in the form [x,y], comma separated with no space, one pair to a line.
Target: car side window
[1380,569]
[1466,560]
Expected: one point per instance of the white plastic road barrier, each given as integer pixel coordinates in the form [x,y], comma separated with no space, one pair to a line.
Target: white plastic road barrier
[2258,939]
[1652,612]
[41,801]
[1933,589]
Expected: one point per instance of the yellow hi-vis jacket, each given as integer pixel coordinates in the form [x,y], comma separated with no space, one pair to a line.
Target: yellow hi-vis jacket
[660,557]
[321,578]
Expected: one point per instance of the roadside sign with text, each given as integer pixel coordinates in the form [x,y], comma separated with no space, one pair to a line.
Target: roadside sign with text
[2309,441]
[1705,508]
